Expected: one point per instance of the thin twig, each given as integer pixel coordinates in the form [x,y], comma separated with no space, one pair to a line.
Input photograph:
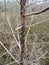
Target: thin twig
[13,32]
[28,31]
[18,32]
[41,56]
[33,24]
[8,52]
[27,34]
[11,63]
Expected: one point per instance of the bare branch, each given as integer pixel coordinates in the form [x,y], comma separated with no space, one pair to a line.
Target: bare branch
[28,30]
[27,34]
[41,56]
[39,12]
[11,63]
[34,24]
[13,32]
[8,52]
[3,54]
[11,26]
[18,32]
[27,5]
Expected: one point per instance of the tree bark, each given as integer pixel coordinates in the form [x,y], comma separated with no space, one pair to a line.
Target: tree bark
[22,12]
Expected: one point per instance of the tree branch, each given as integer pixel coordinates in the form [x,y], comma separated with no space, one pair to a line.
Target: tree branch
[13,32]
[9,52]
[36,13]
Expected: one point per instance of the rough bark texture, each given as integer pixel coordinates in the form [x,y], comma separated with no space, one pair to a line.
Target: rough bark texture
[22,12]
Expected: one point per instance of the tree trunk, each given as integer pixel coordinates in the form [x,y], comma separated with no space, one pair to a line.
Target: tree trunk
[22,12]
